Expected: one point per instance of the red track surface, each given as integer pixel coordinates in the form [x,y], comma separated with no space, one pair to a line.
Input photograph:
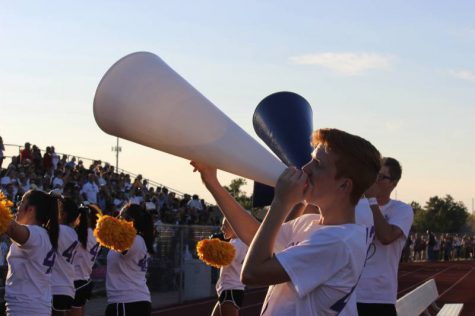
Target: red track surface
[455,283]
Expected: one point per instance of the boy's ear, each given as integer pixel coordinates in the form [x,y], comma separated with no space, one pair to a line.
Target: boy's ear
[347,185]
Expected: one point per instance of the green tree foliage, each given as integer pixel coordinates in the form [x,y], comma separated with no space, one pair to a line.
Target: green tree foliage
[234,188]
[469,224]
[441,215]
[420,224]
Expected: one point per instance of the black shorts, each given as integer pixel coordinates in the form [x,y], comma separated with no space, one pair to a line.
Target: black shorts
[232,296]
[83,292]
[62,303]
[142,308]
[370,309]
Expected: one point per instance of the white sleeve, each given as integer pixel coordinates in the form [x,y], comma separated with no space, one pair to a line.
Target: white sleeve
[402,218]
[34,238]
[314,261]
[283,236]
[286,230]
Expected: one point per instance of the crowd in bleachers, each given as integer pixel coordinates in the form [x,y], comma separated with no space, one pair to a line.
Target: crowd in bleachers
[439,247]
[98,183]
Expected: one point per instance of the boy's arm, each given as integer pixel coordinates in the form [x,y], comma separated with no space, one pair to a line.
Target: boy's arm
[260,266]
[243,223]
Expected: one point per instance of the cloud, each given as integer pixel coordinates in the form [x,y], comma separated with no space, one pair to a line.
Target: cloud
[462,74]
[349,64]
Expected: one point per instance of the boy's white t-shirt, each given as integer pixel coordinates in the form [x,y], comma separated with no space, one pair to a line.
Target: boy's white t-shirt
[28,283]
[125,277]
[230,276]
[363,216]
[323,262]
[85,258]
[62,278]
[378,283]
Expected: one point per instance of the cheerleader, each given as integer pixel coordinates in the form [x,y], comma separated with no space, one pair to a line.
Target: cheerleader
[34,236]
[229,286]
[126,285]
[62,278]
[85,258]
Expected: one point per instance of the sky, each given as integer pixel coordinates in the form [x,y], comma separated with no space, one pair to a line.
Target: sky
[398,73]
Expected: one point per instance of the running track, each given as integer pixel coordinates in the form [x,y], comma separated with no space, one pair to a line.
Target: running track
[455,283]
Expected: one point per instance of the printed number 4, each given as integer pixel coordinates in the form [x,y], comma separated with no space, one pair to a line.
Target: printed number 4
[49,260]
[143,263]
[70,252]
[94,251]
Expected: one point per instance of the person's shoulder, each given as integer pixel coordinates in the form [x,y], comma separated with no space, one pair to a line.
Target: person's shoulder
[339,238]
[139,242]
[67,229]
[301,221]
[37,230]
[402,206]
[38,236]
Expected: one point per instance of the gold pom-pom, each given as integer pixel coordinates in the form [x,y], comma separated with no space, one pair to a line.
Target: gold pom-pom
[5,213]
[215,252]
[116,234]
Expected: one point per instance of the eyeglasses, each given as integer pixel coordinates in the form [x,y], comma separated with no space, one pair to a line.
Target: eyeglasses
[382,177]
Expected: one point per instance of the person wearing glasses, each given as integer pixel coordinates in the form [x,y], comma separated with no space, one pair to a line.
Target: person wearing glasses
[377,288]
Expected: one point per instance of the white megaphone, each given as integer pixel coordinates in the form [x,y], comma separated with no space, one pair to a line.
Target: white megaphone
[143,100]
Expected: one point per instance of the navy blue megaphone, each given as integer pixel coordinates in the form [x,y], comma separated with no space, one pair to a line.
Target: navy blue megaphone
[284,121]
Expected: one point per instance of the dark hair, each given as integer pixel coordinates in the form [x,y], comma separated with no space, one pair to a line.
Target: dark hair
[356,159]
[70,209]
[46,207]
[394,168]
[142,222]
[87,218]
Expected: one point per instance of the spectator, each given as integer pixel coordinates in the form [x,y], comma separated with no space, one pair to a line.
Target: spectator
[23,182]
[436,248]
[47,161]
[37,159]
[58,182]
[5,177]
[54,158]
[72,163]
[25,154]
[90,189]
[430,246]
[416,244]
[195,203]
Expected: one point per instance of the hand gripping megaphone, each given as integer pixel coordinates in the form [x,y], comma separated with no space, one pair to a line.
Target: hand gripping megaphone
[284,121]
[141,99]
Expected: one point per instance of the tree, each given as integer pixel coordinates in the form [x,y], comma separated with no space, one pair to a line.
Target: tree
[469,224]
[234,189]
[420,215]
[445,215]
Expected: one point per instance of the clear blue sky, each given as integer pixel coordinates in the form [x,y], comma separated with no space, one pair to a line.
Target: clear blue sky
[399,73]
